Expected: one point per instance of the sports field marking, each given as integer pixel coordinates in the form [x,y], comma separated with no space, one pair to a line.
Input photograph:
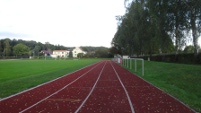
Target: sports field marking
[91,90]
[129,100]
[57,90]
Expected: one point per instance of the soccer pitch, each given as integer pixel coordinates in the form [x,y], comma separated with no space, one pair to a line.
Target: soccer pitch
[19,75]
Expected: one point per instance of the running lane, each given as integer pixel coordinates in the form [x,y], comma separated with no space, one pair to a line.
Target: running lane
[108,96]
[70,97]
[26,100]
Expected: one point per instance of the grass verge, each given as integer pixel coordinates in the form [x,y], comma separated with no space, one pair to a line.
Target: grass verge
[179,80]
[19,75]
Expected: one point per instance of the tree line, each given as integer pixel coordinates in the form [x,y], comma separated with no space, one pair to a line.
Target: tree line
[157,26]
[99,52]
[21,48]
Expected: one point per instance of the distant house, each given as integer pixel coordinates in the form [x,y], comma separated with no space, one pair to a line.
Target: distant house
[60,53]
[76,51]
[65,53]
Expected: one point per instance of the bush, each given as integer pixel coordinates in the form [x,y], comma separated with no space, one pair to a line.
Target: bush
[186,58]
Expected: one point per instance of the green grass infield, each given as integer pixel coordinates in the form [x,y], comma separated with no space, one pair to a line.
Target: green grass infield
[19,75]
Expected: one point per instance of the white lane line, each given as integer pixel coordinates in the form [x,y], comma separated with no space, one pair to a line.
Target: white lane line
[57,91]
[129,100]
[78,109]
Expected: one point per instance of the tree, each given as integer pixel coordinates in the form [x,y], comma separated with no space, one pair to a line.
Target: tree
[1,49]
[194,21]
[189,49]
[102,52]
[157,27]
[71,54]
[21,49]
[7,47]
[36,50]
[176,22]
[80,55]
[142,30]
[47,46]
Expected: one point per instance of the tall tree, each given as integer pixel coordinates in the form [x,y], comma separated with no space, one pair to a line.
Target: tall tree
[1,49]
[47,46]
[36,50]
[159,25]
[194,18]
[152,26]
[70,54]
[142,29]
[7,47]
[176,16]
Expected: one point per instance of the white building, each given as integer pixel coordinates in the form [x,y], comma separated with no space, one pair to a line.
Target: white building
[60,53]
[78,50]
[65,53]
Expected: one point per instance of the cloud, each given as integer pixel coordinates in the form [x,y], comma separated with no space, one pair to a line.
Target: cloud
[12,35]
[64,22]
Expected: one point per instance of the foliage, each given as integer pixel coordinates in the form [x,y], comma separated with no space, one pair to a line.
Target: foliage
[194,21]
[21,49]
[1,52]
[152,26]
[80,55]
[140,32]
[88,48]
[100,52]
[189,49]
[70,54]
[7,47]
[185,58]
[36,50]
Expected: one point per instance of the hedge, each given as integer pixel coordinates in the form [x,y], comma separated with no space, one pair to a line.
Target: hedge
[186,58]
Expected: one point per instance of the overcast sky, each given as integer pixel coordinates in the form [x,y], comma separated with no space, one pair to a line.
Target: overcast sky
[64,22]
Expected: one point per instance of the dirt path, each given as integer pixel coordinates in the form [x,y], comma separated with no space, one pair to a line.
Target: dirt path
[104,87]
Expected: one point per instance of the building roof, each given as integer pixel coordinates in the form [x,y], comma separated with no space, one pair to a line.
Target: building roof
[60,50]
[46,52]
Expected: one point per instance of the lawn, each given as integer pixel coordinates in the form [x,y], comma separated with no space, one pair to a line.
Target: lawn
[19,75]
[179,80]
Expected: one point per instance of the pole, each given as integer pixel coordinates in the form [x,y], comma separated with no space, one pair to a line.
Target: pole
[142,67]
[135,65]
[130,63]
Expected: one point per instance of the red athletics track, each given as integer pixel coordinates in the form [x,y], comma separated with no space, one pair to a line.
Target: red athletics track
[104,87]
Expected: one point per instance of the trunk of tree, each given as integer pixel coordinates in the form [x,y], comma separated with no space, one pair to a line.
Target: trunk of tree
[176,37]
[194,32]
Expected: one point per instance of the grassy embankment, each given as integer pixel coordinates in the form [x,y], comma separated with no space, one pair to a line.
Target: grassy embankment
[19,75]
[179,80]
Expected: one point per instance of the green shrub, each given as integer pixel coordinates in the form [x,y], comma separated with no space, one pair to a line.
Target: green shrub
[186,58]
